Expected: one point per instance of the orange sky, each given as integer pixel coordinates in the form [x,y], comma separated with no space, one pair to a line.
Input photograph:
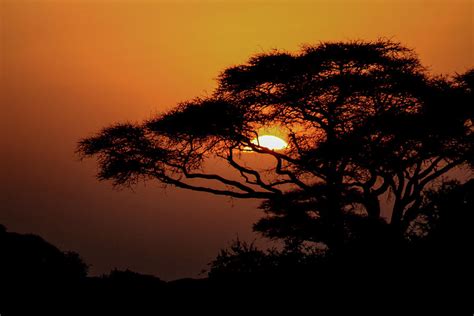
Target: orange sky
[69,68]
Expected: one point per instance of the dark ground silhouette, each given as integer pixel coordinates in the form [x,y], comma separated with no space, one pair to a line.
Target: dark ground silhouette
[430,268]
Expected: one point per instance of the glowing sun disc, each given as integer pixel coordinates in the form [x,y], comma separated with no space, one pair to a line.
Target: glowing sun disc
[270,142]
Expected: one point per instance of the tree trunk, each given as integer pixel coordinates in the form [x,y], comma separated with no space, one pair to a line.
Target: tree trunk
[396,219]
[372,206]
[335,214]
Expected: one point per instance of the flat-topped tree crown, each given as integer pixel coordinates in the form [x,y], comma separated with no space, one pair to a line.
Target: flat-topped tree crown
[360,119]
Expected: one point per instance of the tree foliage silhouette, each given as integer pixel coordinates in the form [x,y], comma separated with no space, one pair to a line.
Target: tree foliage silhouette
[29,258]
[363,120]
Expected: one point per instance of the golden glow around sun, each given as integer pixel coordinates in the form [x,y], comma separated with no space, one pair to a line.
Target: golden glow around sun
[270,142]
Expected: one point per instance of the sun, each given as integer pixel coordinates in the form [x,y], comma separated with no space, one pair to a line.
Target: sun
[270,142]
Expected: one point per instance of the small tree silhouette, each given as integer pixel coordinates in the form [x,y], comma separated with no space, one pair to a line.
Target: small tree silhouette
[29,258]
[362,120]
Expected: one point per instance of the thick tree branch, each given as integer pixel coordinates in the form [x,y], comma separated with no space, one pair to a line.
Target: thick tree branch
[181,184]
[258,178]
[208,176]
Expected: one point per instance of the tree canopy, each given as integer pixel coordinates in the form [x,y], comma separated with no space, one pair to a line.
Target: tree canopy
[363,121]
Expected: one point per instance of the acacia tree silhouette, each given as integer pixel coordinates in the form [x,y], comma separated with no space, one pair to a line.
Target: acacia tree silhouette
[362,119]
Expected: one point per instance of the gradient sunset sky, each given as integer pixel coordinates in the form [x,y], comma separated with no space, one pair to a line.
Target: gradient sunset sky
[69,68]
